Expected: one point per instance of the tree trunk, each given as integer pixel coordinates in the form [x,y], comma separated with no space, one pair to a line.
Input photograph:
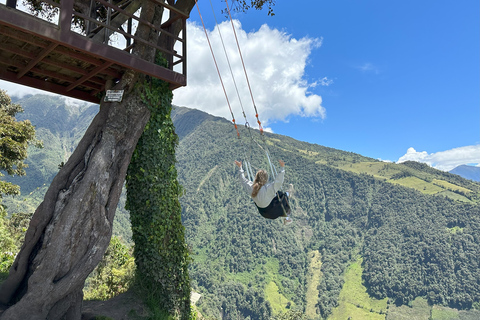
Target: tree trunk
[71,228]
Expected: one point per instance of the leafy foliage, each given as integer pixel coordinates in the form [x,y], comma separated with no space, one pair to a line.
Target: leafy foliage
[243,5]
[405,259]
[346,205]
[161,254]
[8,245]
[113,275]
[12,231]
[14,139]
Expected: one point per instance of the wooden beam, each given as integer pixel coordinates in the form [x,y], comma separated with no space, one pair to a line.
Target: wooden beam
[89,75]
[52,75]
[39,58]
[48,86]
[24,22]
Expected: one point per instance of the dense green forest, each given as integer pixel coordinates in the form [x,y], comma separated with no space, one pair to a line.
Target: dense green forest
[416,228]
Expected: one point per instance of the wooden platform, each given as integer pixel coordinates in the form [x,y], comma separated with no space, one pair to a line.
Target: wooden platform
[57,58]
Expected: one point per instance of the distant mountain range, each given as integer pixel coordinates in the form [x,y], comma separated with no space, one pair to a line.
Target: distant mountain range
[368,238]
[467,172]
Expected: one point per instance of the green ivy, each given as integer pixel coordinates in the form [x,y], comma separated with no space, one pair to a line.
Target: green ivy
[161,254]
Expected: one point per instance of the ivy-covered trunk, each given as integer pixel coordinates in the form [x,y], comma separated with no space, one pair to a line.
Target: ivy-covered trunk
[161,254]
[71,229]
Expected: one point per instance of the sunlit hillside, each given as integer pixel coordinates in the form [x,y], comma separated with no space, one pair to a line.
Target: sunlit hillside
[370,240]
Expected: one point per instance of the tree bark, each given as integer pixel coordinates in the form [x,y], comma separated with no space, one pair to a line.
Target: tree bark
[71,228]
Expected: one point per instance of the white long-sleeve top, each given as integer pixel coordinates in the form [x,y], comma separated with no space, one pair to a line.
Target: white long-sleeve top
[267,192]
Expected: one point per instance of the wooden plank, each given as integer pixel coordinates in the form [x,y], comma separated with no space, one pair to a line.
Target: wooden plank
[50,74]
[39,58]
[26,23]
[48,86]
[89,75]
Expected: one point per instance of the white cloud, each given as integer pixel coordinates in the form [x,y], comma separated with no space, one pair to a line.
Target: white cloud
[275,64]
[325,81]
[385,160]
[445,160]
[369,67]
[20,91]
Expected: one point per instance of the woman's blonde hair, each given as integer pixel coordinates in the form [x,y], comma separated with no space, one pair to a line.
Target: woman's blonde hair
[261,179]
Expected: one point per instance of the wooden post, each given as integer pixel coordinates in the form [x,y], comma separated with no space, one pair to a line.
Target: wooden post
[12,3]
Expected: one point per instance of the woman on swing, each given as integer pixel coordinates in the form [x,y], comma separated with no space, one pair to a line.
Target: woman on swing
[270,201]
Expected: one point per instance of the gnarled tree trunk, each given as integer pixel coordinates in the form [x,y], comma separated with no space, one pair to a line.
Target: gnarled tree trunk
[71,229]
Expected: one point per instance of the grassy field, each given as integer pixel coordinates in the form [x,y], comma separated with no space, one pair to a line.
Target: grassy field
[442,313]
[313,279]
[418,184]
[415,179]
[274,290]
[277,300]
[418,310]
[454,196]
[354,301]
[376,169]
[450,186]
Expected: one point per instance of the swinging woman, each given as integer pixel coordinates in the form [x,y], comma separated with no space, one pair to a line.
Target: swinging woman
[270,201]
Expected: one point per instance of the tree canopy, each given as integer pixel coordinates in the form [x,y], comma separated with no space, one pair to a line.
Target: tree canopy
[14,139]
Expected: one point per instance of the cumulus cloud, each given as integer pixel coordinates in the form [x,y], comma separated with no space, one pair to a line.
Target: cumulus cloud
[275,64]
[445,160]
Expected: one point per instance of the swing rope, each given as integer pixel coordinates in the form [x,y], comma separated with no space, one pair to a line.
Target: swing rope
[228,62]
[218,70]
[248,167]
[247,163]
[244,69]
[272,167]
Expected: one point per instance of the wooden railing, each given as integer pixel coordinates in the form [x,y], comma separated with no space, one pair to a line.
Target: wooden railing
[114,24]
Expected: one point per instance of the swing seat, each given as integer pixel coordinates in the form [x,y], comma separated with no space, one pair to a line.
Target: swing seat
[277,208]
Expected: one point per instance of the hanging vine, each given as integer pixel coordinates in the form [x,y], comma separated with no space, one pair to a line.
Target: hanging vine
[161,254]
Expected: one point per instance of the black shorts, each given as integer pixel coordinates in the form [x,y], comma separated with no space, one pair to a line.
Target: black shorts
[277,208]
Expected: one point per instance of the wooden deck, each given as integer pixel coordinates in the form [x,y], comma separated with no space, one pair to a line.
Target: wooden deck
[57,57]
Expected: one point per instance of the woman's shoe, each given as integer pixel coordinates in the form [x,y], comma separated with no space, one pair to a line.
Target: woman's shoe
[287,221]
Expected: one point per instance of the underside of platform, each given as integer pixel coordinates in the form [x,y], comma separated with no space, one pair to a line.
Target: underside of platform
[51,57]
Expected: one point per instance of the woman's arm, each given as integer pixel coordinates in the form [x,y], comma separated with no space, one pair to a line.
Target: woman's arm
[247,185]
[280,176]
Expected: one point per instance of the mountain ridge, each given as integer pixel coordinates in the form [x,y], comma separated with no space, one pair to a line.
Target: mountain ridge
[467,172]
[347,205]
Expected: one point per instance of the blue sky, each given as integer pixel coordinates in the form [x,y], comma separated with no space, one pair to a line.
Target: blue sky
[392,75]
[391,80]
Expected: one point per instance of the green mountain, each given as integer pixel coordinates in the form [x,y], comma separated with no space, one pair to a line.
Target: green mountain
[370,240]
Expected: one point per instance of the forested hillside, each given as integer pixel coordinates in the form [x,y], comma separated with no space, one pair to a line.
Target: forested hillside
[408,230]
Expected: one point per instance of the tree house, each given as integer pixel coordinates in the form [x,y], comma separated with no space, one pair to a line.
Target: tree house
[76,51]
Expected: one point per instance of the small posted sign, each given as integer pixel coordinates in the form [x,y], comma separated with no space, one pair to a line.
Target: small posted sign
[114,96]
